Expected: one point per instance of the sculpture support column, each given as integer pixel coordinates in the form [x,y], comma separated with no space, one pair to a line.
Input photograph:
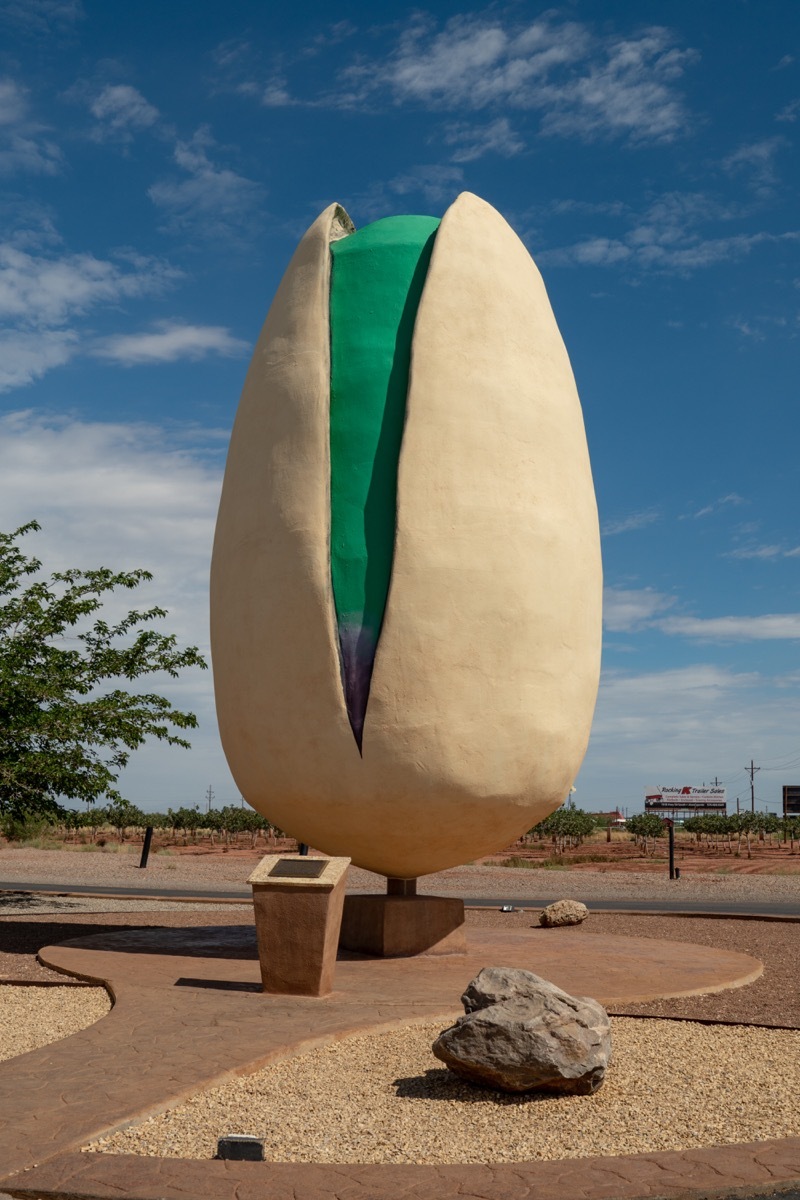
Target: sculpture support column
[400,925]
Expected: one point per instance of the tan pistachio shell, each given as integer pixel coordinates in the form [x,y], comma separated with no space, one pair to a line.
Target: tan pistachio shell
[487,667]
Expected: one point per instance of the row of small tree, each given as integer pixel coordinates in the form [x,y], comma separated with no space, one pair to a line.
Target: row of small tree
[718,830]
[566,828]
[646,828]
[123,817]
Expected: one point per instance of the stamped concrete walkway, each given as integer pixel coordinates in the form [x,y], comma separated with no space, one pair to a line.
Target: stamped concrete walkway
[189,1011]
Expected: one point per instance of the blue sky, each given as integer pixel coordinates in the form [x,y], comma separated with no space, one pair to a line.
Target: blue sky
[158,164]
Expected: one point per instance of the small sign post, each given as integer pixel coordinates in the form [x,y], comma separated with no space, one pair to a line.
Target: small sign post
[670,824]
[148,837]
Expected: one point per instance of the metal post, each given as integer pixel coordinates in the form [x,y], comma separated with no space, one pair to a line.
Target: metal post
[148,837]
[302,848]
[671,832]
[400,887]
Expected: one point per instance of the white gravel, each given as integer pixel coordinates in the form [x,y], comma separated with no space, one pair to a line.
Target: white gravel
[384,1098]
[32,1016]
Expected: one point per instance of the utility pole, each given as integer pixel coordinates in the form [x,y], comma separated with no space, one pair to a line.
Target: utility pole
[209,797]
[752,771]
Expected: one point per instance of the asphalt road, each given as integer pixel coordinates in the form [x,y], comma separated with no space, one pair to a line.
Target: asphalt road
[741,908]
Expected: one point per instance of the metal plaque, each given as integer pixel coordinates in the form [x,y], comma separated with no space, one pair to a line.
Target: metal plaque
[298,868]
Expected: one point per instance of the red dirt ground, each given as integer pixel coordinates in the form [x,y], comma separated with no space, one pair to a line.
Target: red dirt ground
[595,854]
[621,854]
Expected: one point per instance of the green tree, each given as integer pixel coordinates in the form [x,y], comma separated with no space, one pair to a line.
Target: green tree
[644,826]
[66,729]
[121,816]
[567,827]
[93,819]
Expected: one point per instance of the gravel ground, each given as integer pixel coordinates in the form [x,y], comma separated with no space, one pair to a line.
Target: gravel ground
[385,1099]
[31,1017]
[230,871]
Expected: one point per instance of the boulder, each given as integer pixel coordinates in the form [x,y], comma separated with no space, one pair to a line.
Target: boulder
[522,1033]
[563,912]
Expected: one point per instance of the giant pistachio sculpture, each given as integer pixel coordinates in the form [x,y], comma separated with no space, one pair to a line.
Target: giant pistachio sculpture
[406,581]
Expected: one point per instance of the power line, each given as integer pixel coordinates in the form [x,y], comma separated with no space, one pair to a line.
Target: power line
[784,766]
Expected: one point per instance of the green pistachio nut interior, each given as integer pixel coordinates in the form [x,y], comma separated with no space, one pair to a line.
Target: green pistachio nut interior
[377,276]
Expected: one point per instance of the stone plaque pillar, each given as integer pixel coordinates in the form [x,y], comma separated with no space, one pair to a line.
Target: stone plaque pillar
[298,908]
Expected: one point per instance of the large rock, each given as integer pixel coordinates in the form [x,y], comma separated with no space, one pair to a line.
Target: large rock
[563,912]
[522,1033]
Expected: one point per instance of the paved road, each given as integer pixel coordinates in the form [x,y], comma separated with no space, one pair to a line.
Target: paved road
[741,908]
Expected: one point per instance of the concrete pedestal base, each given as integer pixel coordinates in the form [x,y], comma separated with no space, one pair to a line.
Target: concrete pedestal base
[297,922]
[402,926]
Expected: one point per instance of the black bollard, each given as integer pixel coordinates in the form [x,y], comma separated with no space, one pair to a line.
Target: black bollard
[148,837]
[671,850]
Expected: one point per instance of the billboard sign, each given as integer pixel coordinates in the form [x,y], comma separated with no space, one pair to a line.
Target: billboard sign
[791,800]
[686,799]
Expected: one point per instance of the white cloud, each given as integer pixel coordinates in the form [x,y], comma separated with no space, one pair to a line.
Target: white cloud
[121,111]
[471,142]
[274,94]
[686,723]
[668,238]
[170,342]
[577,81]
[123,496]
[678,690]
[583,85]
[686,726]
[768,627]
[628,610]
[212,202]
[763,552]
[40,290]
[636,520]
[41,16]
[630,92]
[680,260]
[732,498]
[42,295]
[790,112]
[757,161]
[747,329]
[24,146]
[26,356]
[593,252]
[474,62]
[13,104]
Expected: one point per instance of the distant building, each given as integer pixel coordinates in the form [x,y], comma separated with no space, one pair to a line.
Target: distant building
[614,817]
